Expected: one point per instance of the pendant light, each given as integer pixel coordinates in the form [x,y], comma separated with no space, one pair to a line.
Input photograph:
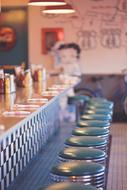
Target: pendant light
[63,9]
[46,2]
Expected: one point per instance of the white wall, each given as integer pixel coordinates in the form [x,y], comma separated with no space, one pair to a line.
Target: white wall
[100,28]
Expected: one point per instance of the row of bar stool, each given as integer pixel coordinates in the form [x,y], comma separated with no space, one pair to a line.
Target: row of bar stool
[93,105]
[69,186]
[83,162]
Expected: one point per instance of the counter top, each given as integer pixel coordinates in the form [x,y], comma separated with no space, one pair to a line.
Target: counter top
[17,107]
[28,119]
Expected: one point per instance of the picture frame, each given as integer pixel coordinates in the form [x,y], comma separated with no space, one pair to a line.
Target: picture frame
[49,37]
[7,38]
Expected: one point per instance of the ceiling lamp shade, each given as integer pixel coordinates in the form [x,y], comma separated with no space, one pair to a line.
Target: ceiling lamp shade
[46,2]
[64,9]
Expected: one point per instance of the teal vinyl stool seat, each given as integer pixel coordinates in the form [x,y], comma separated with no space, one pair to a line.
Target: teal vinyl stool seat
[85,173]
[68,186]
[74,99]
[99,111]
[101,117]
[93,106]
[82,154]
[89,99]
[91,131]
[99,100]
[93,123]
[87,141]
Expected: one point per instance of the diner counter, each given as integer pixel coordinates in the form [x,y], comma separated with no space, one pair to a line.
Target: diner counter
[28,118]
[30,99]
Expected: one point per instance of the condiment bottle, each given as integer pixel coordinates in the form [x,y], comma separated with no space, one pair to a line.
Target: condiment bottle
[12,81]
[7,84]
[1,81]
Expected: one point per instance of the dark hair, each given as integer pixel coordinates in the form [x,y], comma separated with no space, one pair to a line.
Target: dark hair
[63,46]
[71,45]
[75,46]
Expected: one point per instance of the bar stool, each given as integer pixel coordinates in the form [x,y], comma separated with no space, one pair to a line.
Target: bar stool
[93,123]
[82,154]
[101,117]
[87,141]
[79,102]
[98,105]
[92,131]
[85,173]
[69,186]
[98,100]
[74,99]
[99,111]
[83,102]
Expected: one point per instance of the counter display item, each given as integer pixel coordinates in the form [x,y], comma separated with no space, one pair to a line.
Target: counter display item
[1,81]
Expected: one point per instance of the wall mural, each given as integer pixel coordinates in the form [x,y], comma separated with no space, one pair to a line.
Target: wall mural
[102,23]
[87,39]
[110,38]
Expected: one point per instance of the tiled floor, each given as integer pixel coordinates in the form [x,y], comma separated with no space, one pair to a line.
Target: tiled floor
[117,178]
[37,173]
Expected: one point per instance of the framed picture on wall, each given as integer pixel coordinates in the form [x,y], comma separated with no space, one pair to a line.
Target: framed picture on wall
[49,37]
[7,38]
